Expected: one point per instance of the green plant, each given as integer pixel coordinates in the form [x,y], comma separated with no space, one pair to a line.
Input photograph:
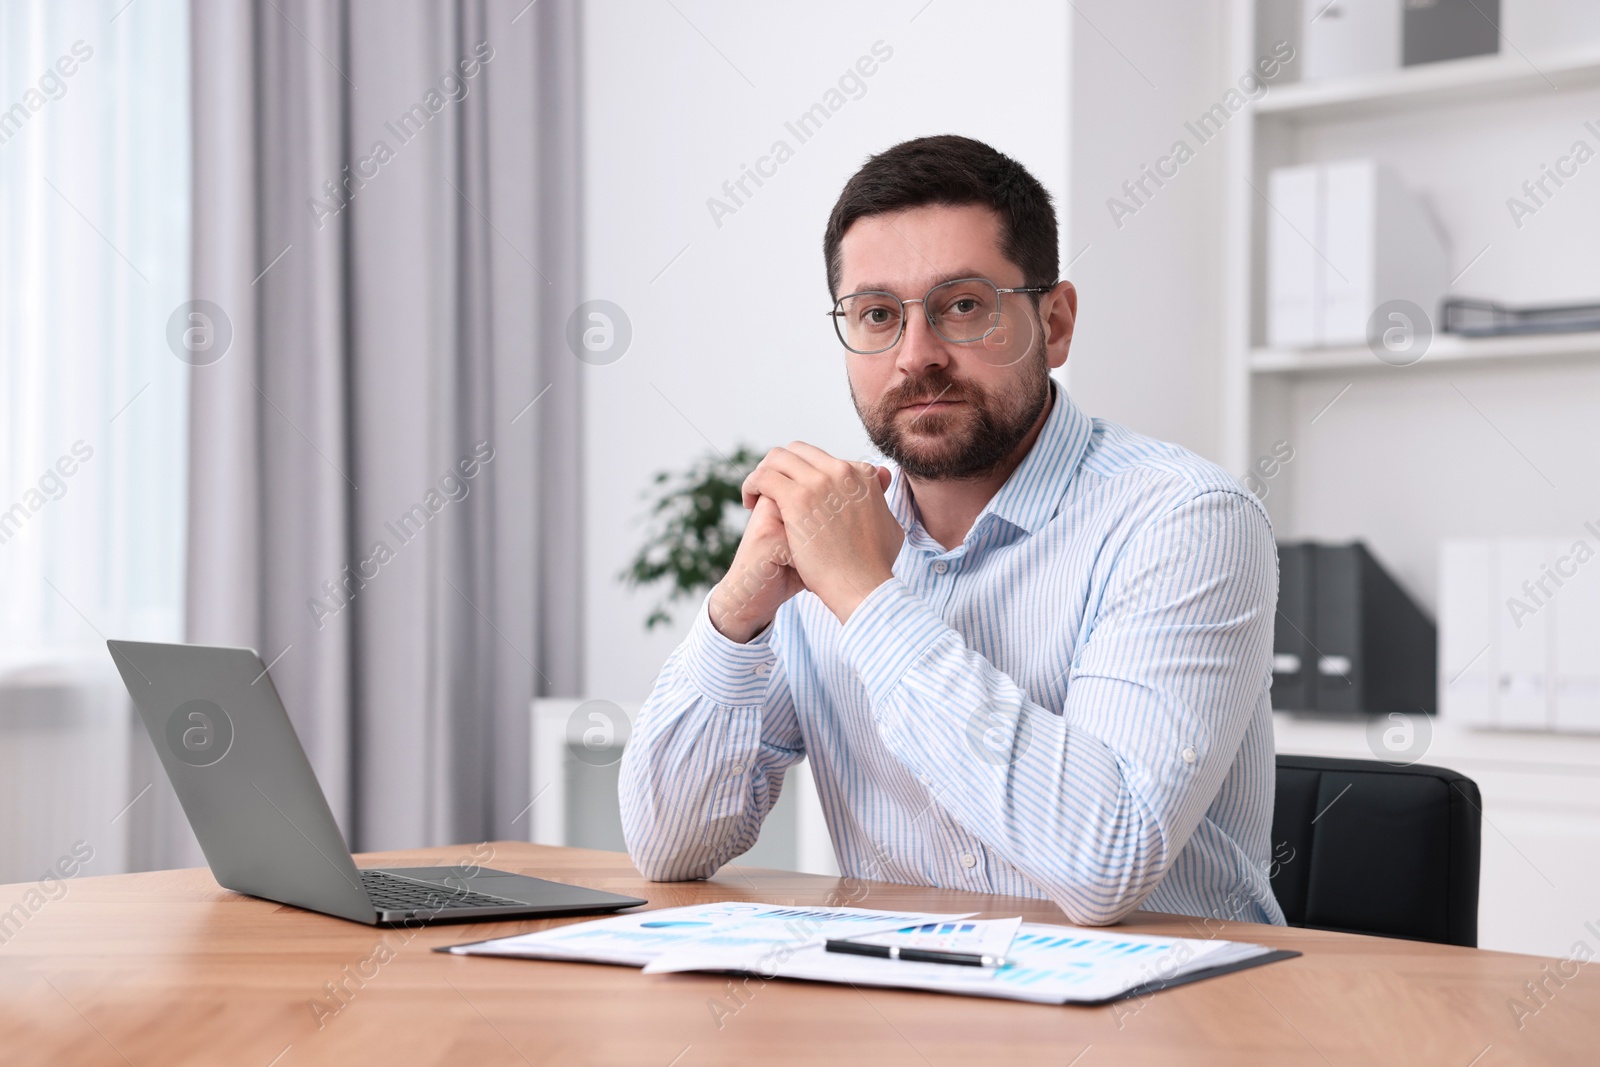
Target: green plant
[695,526]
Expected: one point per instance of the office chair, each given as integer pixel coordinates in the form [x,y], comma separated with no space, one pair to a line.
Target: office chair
[1369,848]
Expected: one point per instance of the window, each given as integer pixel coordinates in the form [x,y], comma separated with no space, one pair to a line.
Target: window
[94,261]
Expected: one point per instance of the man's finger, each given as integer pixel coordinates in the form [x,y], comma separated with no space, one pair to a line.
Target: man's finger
[827,463]
[768,482]
[815,456]
[797,468]
[747,488]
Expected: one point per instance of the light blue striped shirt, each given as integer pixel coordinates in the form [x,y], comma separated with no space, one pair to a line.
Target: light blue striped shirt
[1072,704]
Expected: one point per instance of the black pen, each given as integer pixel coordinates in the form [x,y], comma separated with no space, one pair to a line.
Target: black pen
[914,955]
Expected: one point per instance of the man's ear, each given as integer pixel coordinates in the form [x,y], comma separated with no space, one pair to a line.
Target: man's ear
[1059,311]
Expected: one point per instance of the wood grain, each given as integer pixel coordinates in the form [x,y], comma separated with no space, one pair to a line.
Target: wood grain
[167,968]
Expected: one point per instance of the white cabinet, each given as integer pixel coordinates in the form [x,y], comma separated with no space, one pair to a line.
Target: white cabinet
[64,788]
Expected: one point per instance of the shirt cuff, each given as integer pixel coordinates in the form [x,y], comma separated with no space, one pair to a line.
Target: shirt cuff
[726,672]
[886,634]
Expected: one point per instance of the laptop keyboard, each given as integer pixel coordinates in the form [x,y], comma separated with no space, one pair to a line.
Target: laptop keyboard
[390,892]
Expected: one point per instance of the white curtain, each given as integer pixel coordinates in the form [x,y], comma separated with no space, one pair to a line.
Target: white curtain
[383,208]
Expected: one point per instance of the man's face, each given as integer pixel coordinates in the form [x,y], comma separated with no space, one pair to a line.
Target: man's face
[942,409]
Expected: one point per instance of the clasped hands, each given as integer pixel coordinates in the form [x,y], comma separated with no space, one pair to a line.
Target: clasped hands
[816,522]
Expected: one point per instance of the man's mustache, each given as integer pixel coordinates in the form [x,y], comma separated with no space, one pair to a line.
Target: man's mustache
[924,391]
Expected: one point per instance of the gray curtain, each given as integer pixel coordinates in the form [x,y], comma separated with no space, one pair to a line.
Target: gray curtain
[385,210]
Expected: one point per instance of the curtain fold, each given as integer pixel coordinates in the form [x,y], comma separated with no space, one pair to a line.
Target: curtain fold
[371,490]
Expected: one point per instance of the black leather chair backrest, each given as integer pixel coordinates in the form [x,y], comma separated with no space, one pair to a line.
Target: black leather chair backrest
[1369,848]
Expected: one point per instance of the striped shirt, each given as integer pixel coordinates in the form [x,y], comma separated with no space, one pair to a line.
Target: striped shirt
[1072,703]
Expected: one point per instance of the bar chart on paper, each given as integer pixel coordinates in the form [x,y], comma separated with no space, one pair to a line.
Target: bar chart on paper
[745,929]
[1043,963]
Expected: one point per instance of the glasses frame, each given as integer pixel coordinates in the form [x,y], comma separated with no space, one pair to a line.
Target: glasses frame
[838,312]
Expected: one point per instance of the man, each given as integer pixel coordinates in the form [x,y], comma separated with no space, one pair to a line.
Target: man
[1034,658]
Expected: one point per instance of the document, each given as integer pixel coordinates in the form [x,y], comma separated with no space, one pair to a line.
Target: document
[1043,963]
[753,930]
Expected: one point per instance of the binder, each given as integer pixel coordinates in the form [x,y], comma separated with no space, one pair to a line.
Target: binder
[1349,38]
[1294,233]
[1373,650]
[1519,632]
[1293,659]
[1435,30]
[1353,244]
[1468,630]
[1577,645]
[1523,640]
[1471,317]
[1343,239]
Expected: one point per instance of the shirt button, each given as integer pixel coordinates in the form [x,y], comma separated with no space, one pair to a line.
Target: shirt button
[1188,754]
[940,566]
[762,668]
[736,769]
[968,860]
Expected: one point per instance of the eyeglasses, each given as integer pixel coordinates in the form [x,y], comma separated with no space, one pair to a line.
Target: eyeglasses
[960,311]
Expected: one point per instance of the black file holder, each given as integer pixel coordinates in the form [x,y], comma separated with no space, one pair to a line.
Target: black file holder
[1348,640]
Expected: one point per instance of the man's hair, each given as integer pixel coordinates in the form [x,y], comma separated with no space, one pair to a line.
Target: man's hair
[953,170]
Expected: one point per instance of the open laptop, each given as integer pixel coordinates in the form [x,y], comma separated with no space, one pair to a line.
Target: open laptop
[262,819]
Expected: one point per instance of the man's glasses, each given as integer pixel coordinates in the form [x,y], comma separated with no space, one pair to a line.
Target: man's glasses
[960,311]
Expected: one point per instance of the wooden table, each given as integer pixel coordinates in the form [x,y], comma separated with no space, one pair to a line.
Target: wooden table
[167,968]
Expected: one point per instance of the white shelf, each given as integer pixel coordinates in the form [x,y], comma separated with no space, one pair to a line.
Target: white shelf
[1434,84]
[1446,348]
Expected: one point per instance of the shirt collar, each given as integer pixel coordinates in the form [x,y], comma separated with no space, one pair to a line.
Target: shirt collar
[1032,495]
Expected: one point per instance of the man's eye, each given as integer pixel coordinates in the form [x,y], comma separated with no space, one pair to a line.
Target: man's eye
[877,316]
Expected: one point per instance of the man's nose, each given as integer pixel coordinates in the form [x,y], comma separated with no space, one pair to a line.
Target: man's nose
[920,347]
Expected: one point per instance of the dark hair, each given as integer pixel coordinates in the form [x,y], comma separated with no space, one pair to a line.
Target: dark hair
[953,170]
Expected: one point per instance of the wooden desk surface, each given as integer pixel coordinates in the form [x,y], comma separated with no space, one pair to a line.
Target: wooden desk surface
[167,968]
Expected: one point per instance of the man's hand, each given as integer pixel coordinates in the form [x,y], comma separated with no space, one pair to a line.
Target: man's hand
[841,536]
[760,579]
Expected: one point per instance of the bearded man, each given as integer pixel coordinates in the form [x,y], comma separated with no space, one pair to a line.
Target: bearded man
[1030,656]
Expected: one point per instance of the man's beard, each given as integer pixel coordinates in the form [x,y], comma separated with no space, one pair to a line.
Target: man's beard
[968,441]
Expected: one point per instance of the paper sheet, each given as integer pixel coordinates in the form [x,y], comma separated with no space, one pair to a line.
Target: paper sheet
[1045,963]
[981,937]
[990,937]
[747,930]
[1049,964]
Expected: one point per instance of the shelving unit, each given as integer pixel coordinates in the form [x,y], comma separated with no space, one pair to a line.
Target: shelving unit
[1471,112]
[1483,437]
[1443,351]
[1462,81]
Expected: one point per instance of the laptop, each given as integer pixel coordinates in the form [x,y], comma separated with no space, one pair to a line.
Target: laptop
[262,820]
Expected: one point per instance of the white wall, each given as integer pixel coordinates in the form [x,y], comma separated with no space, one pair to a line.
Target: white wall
[1149,345]
[730,343]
